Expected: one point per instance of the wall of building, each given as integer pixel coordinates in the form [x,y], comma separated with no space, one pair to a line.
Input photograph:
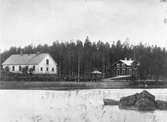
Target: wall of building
[45,68]
[50,68]
[121,69]
[16,68]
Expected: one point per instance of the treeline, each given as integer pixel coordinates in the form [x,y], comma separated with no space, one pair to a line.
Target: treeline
[87,56]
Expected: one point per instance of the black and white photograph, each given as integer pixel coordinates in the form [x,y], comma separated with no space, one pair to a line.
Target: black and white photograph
[83,60]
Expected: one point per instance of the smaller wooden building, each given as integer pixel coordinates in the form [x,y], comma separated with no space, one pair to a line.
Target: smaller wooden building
[96,75]
[125,67]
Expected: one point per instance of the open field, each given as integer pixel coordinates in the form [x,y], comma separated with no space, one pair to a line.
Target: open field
[68,85]
[73,106]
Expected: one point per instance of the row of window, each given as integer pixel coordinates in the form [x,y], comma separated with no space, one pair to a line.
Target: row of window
[20,68]
[47,69]
[123,72]
[120,65]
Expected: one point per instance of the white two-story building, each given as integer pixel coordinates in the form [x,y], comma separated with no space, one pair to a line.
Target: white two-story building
[41,63]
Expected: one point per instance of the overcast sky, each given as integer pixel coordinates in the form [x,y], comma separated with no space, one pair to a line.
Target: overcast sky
[24,22]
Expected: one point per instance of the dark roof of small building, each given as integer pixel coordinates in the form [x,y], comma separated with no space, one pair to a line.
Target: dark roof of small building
[25,59]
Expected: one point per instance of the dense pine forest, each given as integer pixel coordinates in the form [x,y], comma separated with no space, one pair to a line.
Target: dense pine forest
[87,56]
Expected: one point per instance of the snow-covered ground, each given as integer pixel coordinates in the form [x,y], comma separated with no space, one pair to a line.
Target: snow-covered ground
[73,106]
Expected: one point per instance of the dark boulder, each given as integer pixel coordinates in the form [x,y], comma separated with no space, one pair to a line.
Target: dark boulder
[162,105]
[145,104]
[139,101]
[128,101]
[146,94]
[143,101]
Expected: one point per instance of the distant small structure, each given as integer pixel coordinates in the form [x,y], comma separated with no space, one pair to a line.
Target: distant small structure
[125,68]
[37,63]
[96,75]
[96,72]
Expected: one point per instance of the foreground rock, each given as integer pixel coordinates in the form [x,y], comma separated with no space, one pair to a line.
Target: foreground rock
[140,101]
[128,101]
[162,105]
[145,104]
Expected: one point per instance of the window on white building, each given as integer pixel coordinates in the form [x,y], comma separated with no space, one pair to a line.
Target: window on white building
[47,61]
[41,69]
[47,69]
[19,68]
[33,68]
[53,69]
[26,67]
[13,68]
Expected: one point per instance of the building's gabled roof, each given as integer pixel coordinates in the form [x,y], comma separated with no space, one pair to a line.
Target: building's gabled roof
[25,59]
[127,62]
